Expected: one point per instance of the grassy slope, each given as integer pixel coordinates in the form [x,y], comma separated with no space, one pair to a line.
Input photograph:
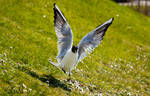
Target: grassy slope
[120,65]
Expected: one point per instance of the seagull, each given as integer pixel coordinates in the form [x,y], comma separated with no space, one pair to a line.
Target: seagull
[70,55]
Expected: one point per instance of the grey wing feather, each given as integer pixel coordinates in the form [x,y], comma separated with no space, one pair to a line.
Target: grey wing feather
[92,40]
[63,32]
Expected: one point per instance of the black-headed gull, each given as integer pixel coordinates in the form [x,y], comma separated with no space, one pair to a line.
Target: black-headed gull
[68,55]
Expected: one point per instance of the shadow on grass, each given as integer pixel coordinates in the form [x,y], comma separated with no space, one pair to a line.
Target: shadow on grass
[49,79]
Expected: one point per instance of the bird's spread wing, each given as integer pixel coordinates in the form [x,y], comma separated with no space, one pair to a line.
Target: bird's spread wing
[63,32]
[92,40]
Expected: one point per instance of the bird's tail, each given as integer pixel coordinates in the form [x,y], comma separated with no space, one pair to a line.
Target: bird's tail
[57,65]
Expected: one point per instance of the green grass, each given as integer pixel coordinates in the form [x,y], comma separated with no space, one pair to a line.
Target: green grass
[119,66]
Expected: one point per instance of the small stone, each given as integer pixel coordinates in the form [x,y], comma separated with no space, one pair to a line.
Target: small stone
[44,16]
[70,89]
[30,89]
[128,94]
[100,94]
[86,88]
[5,71]
[47,81]
[129,27]
[24,86]
[5,54]
[18,27]
[11,47]
[81,90]
[117,15]
[24,90]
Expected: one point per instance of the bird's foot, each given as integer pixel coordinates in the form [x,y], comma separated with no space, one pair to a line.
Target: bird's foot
[50,60]
[55,64]
[69,79]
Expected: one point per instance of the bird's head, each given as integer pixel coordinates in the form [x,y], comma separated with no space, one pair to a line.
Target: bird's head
[74,49]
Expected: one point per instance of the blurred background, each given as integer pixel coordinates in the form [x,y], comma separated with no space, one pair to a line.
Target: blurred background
[142,6]
[119,66]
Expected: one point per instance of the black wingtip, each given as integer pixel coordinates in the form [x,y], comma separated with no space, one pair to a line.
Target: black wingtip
[54,4]
[55,7]
[112,19]
[54,13]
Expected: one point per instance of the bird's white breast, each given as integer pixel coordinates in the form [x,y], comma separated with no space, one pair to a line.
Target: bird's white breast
[69,60]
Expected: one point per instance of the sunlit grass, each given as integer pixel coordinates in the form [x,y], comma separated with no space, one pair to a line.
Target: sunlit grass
[119,66]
